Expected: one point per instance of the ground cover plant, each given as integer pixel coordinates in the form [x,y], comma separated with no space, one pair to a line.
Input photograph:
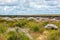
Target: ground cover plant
[24,29]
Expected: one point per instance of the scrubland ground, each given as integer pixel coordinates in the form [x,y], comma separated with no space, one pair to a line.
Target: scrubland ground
[23,29]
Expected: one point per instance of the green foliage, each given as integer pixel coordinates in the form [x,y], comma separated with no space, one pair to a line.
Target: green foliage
[57,23]
[42,23]
[2,20]
[35,27]
[31,20]
[53,35]
[12,35]
[17,36]
[11,23]
[3,28]
[31,24]
[21,23]
[23,36]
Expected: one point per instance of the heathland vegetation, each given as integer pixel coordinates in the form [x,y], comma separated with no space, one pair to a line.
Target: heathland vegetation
[23,29]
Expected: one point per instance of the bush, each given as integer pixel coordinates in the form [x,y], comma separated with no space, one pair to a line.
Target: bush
[12,35]
[21,23]
[23,36]
[42,23]
[53,35]
[3,28]
[35,27]
[2,20]
[31,20]
[57,23]
[11,23]
[17,36]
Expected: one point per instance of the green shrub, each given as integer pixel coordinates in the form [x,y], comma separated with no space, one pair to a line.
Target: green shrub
[42,23]
[21,23]
[3,28]
[2,20]
[30,24]
[53,35]
[23,36]
[35,27]
[31,20]
[57,23]
[17,36]
[12,35]
[11,23]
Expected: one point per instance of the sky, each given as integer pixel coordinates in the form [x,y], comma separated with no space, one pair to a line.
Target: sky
[29,7]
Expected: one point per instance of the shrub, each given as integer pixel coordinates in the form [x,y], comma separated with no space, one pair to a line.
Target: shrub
[35,27]
[3,28]
[31,20]
[57,23]
[17,36]
[21,23]
[12,35]
[11,23]
[42,23]
[53,35]
[30,24]
[23,36]
[2,20]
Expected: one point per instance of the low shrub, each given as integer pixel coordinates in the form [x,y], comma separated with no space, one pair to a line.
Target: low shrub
[35,27]
[23,36]
[21,23]
[17,36]
[12,35]
[3,28]
[31,20]
[53,35]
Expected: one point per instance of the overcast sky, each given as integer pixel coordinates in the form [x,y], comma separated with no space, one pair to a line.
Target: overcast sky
[29,7]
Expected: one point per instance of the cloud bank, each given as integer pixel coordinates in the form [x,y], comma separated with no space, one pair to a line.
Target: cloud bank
[29,7]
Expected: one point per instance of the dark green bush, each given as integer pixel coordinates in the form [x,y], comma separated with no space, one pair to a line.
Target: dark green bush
[12,35]
[21,23]
[17,36]
[31,20]
[35,27]
[24,37]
